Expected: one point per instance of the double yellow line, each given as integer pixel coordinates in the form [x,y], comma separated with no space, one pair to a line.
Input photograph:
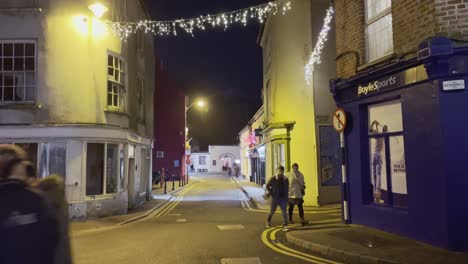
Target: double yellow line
[269,235]
[169,206]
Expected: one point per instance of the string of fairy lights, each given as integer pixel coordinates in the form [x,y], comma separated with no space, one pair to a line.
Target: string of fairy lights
[259,13]
[222,20]
[315,56]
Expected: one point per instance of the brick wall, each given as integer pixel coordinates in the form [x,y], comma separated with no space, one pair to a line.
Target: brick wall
[452,18]
[413,22]
[350,41]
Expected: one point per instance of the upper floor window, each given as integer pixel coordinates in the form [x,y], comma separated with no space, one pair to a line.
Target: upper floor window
[140,37]
[379,32]
[202,160]
[141,98]
[17,71]
[116,84]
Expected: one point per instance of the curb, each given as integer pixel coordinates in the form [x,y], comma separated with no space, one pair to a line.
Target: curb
[346,256]
[252,200]
[150,211]
[134,219]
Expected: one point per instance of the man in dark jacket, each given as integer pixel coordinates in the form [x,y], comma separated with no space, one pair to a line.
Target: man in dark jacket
[278,187]
[28,230]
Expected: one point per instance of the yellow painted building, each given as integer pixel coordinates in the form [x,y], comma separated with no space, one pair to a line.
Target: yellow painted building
[297,114]
[79,99]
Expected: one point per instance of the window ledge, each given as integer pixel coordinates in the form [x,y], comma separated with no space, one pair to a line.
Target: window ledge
[375,62]
[116,111]
[100,197]
[20,105]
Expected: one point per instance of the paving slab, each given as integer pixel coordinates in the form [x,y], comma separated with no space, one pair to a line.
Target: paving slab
[359,244]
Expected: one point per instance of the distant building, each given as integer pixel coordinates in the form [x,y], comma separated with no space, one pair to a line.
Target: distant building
[297,115]
[402,71]
[169,114]
[252,151]
[219,159]
[79,99]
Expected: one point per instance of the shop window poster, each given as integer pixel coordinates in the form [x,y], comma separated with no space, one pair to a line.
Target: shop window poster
[398,171]
[378,170]
[383,119]
[330,159]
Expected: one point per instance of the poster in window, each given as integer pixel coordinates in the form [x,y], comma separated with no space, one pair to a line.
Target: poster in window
[384,118]
[330,160]
[378,170]
[398,171]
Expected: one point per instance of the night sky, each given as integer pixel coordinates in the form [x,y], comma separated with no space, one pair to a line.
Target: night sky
[225,66]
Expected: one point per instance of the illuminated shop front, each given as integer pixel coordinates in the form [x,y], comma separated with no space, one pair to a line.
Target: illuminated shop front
[406,145]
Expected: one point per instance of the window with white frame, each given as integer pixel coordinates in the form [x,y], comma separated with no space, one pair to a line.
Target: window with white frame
[141,100]
[379,32]
[17,71]
[104,168]
[116,83]
[387,154]
[202,160]
[140,37]
[160,154]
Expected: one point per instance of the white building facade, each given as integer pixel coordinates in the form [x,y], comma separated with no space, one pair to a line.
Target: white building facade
[79,99]
[217,160]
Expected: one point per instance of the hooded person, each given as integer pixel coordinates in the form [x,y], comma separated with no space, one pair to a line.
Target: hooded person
[53,190]
[28,228]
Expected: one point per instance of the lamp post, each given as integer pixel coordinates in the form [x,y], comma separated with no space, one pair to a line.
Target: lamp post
[199,103]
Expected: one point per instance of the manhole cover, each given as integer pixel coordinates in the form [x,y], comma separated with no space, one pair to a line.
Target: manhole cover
[230,227]
[241,261]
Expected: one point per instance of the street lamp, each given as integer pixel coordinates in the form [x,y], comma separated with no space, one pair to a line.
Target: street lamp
[200,103]
[98,9]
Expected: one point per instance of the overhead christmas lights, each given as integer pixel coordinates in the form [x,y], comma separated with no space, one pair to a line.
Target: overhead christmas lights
[162,28]
[317,52]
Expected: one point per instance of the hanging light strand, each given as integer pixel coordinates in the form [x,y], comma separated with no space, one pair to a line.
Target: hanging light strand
[222,20]
[315,57]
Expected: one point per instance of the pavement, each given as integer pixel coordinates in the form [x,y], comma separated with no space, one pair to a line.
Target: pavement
[353,243]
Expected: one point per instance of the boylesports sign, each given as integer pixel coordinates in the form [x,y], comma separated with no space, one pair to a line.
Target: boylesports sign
[376,86]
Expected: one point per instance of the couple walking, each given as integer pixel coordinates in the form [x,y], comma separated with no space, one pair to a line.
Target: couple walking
[285,190]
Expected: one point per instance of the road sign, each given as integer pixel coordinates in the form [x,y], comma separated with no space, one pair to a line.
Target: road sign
[339,120]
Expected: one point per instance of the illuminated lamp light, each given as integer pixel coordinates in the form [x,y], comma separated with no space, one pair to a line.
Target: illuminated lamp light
[98,9]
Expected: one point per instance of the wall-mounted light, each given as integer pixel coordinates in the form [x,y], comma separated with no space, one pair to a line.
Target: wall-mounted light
[98,9]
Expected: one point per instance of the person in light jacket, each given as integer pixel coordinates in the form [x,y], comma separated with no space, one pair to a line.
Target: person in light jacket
[296,193]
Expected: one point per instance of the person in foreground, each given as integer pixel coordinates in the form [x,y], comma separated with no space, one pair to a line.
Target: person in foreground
[28,228]
[278,187]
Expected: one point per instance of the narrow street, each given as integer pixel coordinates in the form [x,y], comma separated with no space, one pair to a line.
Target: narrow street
[189,229]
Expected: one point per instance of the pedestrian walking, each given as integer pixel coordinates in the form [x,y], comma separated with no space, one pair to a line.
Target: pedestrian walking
[277,187]
[28,229]
[296,193]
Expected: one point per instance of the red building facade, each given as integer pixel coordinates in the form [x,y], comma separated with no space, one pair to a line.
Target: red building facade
[169,124]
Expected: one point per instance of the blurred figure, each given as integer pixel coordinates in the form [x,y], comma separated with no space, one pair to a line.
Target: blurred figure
[53,189]
[28,228]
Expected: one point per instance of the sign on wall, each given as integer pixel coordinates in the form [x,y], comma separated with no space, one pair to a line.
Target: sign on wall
[453,85]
